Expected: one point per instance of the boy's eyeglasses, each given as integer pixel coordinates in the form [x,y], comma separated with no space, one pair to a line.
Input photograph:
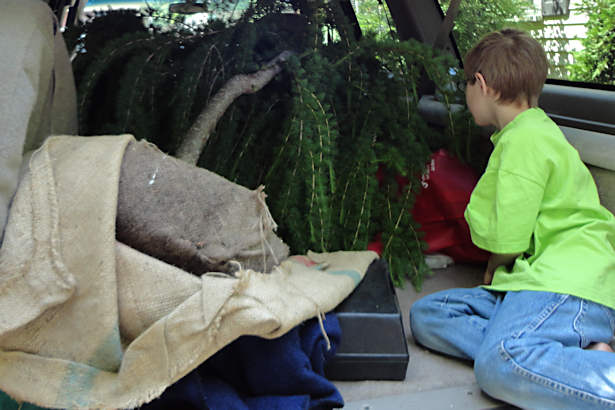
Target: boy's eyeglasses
[463,84]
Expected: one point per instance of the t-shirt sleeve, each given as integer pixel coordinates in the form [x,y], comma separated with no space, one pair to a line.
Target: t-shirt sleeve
[504,206]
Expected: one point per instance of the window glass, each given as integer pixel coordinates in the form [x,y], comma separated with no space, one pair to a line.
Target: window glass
[374,18]
[479,17]
[169,11]
[578,35]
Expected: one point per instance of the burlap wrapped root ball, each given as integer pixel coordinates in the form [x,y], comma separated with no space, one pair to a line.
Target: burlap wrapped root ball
[192,218]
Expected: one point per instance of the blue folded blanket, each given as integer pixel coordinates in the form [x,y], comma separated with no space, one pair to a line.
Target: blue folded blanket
[253,373]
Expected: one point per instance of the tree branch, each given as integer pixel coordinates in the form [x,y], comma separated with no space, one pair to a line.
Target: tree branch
[197,136]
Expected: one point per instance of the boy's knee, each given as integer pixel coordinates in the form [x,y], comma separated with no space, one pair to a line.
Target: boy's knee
[418,308]
[421,316]
[418,312]
[488,371]
[493,373]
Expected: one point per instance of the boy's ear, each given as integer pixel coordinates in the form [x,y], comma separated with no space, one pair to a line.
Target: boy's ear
[480,79]
[484,88]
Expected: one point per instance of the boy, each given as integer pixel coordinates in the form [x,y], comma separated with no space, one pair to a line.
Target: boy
[536,329]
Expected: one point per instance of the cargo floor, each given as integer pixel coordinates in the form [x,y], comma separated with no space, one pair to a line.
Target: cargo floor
[432,381]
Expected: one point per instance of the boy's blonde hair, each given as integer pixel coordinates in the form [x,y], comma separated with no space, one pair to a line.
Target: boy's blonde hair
[513,63]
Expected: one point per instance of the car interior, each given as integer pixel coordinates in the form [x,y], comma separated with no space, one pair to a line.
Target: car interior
[584,111]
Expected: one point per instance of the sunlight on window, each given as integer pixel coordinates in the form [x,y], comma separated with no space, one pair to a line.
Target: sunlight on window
[559,26]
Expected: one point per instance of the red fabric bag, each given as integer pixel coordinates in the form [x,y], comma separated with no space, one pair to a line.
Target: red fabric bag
[446,188]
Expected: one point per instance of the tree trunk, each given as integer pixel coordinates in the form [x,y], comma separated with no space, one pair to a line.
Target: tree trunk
[197,136]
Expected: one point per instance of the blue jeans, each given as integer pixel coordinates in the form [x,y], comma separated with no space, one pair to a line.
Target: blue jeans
[527,346]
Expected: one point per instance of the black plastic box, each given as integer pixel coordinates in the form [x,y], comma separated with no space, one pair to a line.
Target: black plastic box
[373,343]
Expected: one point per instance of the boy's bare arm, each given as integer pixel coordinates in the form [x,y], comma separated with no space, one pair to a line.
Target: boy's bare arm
[496,260]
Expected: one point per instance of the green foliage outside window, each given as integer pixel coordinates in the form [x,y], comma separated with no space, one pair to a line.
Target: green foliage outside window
[374,18]
[479,17]
[596,63]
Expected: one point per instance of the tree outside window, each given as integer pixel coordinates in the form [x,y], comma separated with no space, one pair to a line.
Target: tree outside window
[595,63]
[479,17]
[374,18]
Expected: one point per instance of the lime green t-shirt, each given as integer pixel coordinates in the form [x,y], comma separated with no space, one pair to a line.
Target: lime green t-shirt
[537,197]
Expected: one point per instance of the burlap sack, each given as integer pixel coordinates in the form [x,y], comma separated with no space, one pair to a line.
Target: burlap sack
[37,89]
[87,322]
[192,218]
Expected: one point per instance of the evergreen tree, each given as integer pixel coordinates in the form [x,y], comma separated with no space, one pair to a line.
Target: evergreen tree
[342,111]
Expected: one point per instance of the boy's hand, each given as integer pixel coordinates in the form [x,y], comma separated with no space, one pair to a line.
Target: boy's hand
[495,261]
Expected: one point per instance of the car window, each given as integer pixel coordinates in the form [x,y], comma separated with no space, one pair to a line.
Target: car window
[577,35]
[374,18]
[175,11]
[479,17]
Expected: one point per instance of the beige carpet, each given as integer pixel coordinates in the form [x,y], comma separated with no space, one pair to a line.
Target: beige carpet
[426,370]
